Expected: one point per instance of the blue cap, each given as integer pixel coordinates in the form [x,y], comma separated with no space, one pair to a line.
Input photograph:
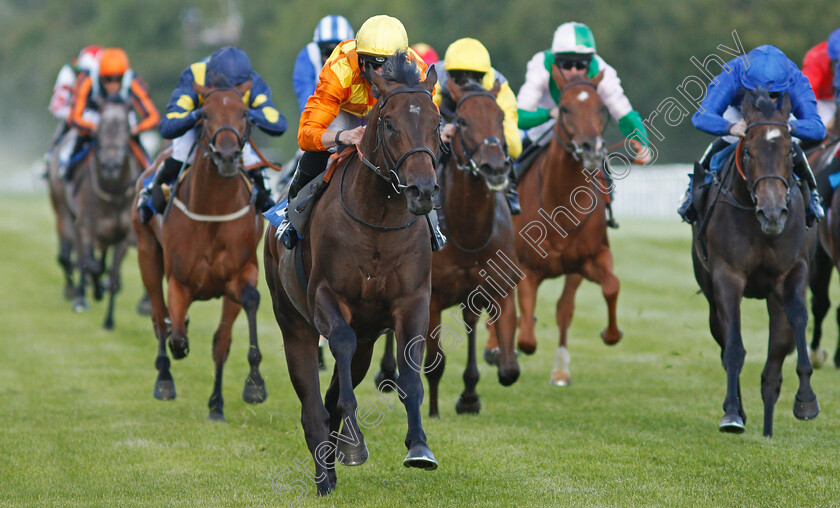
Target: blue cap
[768,68]
[834,45]
[333,28]
[228,67]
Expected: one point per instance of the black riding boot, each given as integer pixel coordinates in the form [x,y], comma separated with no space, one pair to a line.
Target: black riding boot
[511,195]
[69,171]
[152,200]
[687,211]
[311,165]
[263,200]
[814,212]
[611,223]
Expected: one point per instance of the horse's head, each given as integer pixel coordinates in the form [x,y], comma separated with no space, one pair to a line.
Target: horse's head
[480,134]
[113,136]
[581,119]
[225,126]
[404,127]
[766,155]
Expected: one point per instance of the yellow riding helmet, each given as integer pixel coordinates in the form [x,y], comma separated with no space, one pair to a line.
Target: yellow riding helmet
[467,54]
[381,36]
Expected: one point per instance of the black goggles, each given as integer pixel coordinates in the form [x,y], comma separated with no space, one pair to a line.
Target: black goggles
[375,62]
[568,65]
[327,49]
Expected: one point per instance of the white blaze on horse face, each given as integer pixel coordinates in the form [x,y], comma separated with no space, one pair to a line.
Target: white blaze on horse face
[772,134]
[414,108]
[583,96]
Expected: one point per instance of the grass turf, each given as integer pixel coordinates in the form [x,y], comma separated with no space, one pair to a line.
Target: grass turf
[638,425]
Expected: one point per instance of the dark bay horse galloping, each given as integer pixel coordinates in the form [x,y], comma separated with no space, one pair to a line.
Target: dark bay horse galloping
[367,257]
[206,246]
[756,246]
[563,225]
[104,192]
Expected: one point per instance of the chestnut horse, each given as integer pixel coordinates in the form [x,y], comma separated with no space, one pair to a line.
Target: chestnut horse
[367,257]
[206,246]
[563,225]
[104,190]
[756,245]
[478,269]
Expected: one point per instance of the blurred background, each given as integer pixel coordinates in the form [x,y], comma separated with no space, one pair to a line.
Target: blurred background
[649,42]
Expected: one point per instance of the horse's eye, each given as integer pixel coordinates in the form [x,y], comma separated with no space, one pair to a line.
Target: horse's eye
[563,110]
[461,122]
[388,125]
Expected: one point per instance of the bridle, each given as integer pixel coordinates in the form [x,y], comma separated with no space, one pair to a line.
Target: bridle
[390,174]
[208,144]
[571,146]
[470,166]
[739,156]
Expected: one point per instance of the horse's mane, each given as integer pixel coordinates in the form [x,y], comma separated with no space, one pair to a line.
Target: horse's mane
[761,101]
[400,68]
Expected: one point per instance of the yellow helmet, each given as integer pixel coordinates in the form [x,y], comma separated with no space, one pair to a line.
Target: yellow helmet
[467,54]
[381,36]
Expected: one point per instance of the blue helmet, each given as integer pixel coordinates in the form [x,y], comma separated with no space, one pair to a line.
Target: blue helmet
[333,28]
[768,68]
[227,67]
[834,45]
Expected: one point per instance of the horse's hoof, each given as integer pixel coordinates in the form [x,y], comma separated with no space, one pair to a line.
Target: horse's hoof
[109,324]
[254,393]
[561,378]
[491,356]
[165,389]
[350,454]
[420,456]
[216,415]
[732,424]
[80,305]
[69,292]
[805,410]
[468,405]
[818,357]
[179,348]
[527,348]
[611,339]
[144,306]
[381,377]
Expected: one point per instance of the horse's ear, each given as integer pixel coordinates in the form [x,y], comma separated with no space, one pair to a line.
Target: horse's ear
[557,76]
[786,106]
[748,104]
[431,79]
[597,79]
[244,87]
[455,90]
[379,83]
[497,86]
[200,89]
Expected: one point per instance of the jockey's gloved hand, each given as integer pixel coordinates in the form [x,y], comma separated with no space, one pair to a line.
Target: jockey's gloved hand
[738,129]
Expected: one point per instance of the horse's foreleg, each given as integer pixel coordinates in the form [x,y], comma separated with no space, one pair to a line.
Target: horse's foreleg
[343,343]
[469,401]
[435,359]
[781,340]
[805,406]
[505,328]
[820,277]
[114,286]
[527,292]
[221,348]
[728,292]
[96,268]
[412,326]
[600,271]
[65,254]
[179,301]
[83,252]
[561,375]
[350,447]
[254,391]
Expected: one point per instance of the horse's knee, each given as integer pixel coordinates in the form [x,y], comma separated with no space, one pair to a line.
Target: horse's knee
[250,298]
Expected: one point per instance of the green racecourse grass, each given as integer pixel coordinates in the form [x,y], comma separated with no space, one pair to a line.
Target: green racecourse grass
[638,426]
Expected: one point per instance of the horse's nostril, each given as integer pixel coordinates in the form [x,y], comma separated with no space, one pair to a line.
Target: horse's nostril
[412,192]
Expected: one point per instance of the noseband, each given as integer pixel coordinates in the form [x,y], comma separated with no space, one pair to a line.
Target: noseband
[572,147]
[752,184]
[390,174]
[470,166]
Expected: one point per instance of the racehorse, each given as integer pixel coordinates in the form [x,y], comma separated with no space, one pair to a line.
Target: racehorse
[755,245]
[366,254]
[206,245]
[827,255]
[478,225]
[563,225]
[104,192]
